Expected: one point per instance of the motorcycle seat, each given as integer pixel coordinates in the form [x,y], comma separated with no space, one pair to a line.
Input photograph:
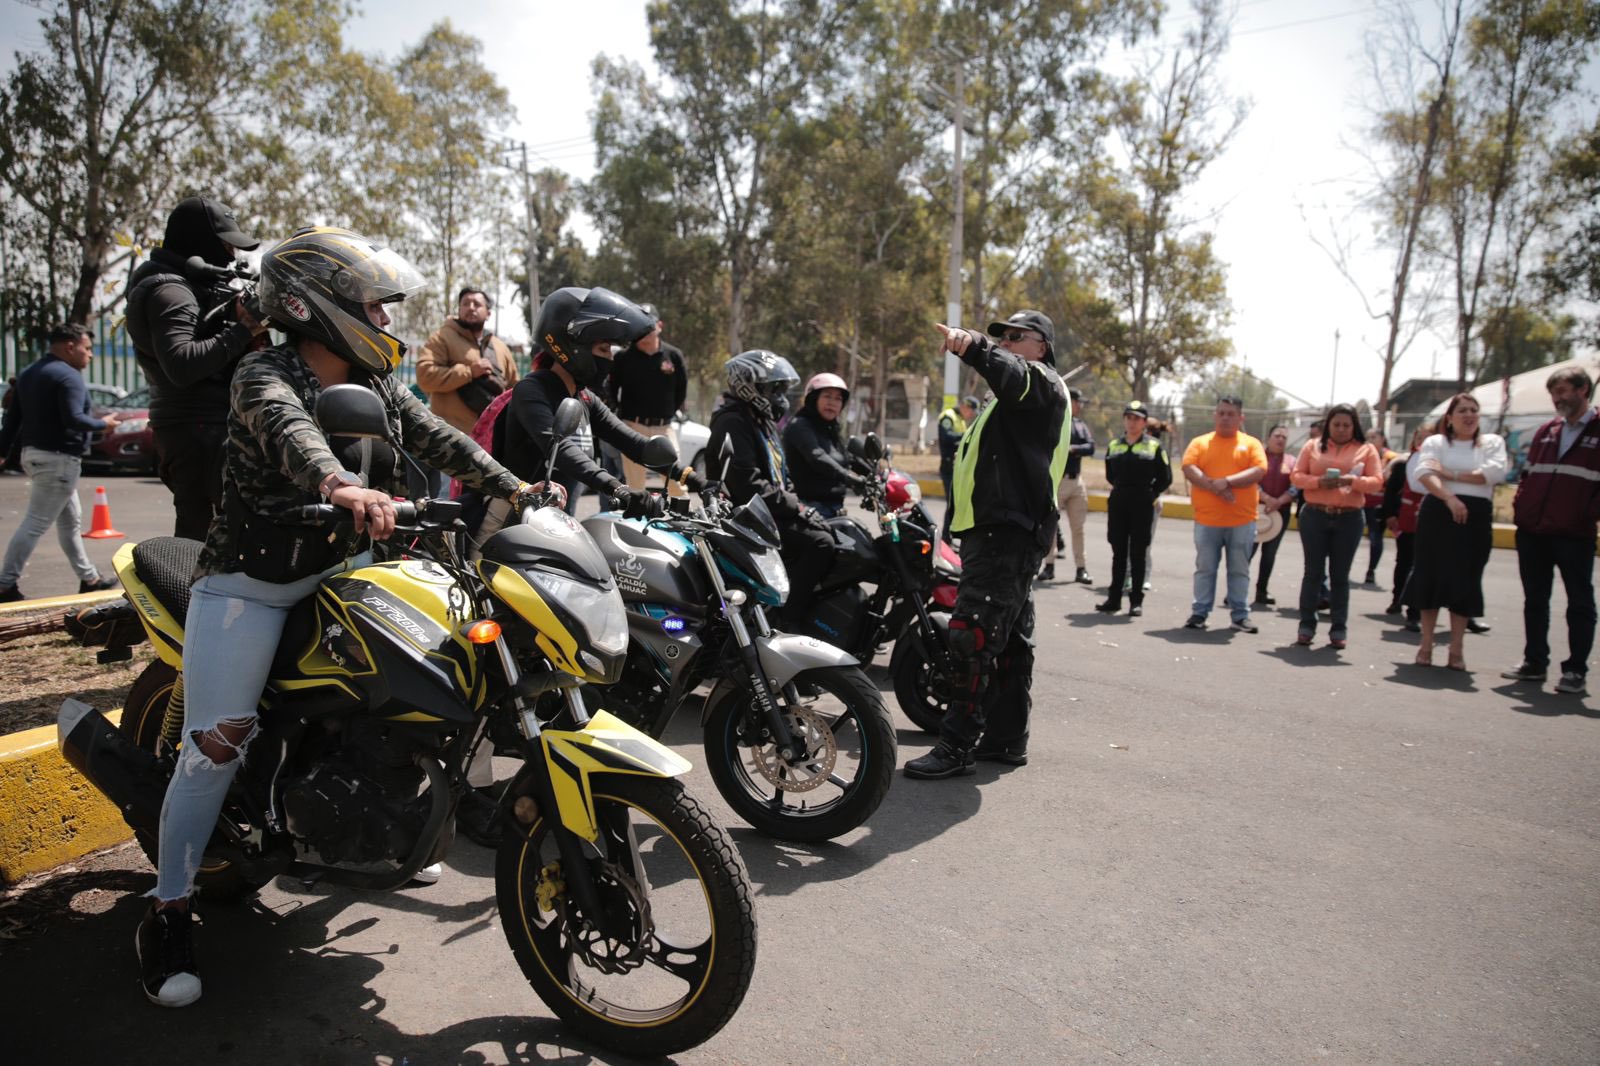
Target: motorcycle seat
[166,565]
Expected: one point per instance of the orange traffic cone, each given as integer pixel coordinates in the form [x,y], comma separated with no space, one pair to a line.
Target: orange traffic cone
[100,523]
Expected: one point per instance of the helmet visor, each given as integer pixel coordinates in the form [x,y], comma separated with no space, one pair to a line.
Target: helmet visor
[379,275]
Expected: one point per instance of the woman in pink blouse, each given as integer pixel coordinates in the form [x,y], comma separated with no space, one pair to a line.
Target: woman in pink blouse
[1334,474]
[1459,466]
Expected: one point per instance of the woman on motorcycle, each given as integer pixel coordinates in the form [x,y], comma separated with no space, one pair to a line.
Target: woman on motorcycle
[821,468]
[576,329]
[756,399]
[326,288]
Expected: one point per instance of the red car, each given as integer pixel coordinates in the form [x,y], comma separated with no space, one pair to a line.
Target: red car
[131,446]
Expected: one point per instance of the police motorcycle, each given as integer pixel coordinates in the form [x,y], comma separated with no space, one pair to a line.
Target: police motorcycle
[626,905]
[797,738]
[913,574]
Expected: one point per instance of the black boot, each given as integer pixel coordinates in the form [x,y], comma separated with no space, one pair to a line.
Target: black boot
[942,761]
[1111,606]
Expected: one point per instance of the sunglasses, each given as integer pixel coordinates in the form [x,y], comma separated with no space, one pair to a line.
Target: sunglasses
[1014,335]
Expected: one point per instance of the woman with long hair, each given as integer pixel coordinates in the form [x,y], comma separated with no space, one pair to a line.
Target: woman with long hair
[1334,473]
[1459,466]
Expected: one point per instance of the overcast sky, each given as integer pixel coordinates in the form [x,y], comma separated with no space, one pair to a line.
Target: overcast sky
[1300,62]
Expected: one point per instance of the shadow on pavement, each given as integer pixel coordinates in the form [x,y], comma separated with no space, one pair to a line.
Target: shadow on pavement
[1531,699]
[1090,619]
[1433,678]
[1216,634]
[1316,655]
[279,987]
[912,813]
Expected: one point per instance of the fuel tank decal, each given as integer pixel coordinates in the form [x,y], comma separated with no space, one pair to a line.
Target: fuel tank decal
[629,572]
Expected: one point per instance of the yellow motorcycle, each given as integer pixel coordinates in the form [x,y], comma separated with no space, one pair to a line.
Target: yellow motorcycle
[385,682]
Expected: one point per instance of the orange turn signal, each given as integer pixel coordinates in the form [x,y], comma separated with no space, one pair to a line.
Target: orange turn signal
[926,546]
[484,632]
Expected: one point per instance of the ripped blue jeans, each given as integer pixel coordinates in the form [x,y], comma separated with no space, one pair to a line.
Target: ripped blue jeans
[231,635]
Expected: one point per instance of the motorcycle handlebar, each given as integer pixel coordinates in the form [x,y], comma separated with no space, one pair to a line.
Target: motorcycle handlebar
[325,515]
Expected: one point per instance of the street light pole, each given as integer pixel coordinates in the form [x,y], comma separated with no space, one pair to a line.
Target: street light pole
[952,310]
[1333,386]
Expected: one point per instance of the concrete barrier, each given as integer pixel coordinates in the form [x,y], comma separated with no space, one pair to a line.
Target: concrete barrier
[52,813]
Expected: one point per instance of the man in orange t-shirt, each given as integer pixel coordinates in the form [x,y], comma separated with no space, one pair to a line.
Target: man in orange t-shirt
[1222,468]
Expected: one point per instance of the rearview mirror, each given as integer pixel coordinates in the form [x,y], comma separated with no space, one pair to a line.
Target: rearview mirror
[570,414]
[660,453]
[352,411]
[872,449]
[853,446]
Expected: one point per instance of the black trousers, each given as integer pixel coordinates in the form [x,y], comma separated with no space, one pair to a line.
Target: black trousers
[807,554]
[1538,558]
[189,462]
[1129,529]
[991,634]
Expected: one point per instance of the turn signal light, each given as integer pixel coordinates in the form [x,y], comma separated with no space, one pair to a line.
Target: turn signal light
[485,632]
[924,546]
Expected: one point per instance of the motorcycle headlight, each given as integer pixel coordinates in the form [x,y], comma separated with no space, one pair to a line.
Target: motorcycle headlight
[600,611]
[133,425]
[769,567]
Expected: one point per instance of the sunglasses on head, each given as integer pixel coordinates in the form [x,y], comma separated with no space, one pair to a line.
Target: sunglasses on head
[1014,335]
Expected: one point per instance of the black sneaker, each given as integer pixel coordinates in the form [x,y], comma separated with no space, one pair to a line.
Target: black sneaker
[1524,671]
[942,761]
[11,594]
[1263,600]
[1573,683]
[99,584]
[1195,621]
[166,958]
[1011,755]
[1244,625]
[1395,607]
[478,818]
[1109,607]
[1048,573]
[1136,610]
[1082,577]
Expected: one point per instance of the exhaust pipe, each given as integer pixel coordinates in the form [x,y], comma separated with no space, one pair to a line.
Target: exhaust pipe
[124,773]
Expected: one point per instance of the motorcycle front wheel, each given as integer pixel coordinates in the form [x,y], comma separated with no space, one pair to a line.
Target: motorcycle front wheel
[912,672]
[142,715]
[835,786]
[678,945]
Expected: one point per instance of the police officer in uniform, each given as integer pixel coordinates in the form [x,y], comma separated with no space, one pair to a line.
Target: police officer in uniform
[1004,497]
[1139,472]
[953,422]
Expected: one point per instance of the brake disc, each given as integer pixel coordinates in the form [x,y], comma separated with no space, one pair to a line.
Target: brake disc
[608,954]
[813,768]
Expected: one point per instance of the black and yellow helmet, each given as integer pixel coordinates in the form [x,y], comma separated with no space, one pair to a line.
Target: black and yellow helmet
[316,284]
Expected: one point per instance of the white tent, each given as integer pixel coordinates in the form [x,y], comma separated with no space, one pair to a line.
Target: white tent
[1521,403]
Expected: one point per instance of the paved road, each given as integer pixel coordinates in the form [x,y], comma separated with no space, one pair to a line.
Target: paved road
[1224,850]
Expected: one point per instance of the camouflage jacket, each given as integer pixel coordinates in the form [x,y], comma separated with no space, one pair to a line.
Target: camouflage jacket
[277,456]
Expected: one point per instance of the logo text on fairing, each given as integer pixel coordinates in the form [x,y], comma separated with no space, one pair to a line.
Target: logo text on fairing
[396,616]
[630,575]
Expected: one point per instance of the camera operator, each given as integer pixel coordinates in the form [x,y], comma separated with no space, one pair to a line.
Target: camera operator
[189,330]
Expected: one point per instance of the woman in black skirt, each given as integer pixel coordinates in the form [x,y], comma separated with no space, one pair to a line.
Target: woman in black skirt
[1459,467]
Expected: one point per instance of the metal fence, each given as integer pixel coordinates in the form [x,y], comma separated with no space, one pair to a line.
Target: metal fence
[114,364]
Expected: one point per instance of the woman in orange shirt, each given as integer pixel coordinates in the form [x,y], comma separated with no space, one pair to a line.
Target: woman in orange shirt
[1334,474]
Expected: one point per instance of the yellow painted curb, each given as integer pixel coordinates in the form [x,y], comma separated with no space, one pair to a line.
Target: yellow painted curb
[77,599]
[52,814]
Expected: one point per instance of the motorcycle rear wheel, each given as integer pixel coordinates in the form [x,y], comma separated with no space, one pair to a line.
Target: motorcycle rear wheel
[681,975]
[912,673]
[866,750]
[142,715]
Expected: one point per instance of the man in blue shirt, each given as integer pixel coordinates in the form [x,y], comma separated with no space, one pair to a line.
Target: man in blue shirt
[52,423]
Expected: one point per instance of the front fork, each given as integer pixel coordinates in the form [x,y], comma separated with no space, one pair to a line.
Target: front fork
[525,699]
[760,685]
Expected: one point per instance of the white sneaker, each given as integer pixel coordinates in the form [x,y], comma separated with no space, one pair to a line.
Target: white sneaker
[429,875]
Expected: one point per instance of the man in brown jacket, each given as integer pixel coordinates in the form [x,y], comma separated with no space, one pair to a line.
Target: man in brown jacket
[464,366]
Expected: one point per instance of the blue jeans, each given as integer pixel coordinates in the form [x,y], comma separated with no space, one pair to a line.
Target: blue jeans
[1330,542]
[52,501]
[1210,542]
[825,510]
[231,635]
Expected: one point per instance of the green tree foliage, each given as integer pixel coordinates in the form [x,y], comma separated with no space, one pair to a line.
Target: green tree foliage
[107,123]
[560,257]
[1162,301]
[1524,58]
[1571,265]
[1263,405]
[453,179]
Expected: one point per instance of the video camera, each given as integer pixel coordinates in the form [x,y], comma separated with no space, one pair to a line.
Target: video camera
[219,286]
